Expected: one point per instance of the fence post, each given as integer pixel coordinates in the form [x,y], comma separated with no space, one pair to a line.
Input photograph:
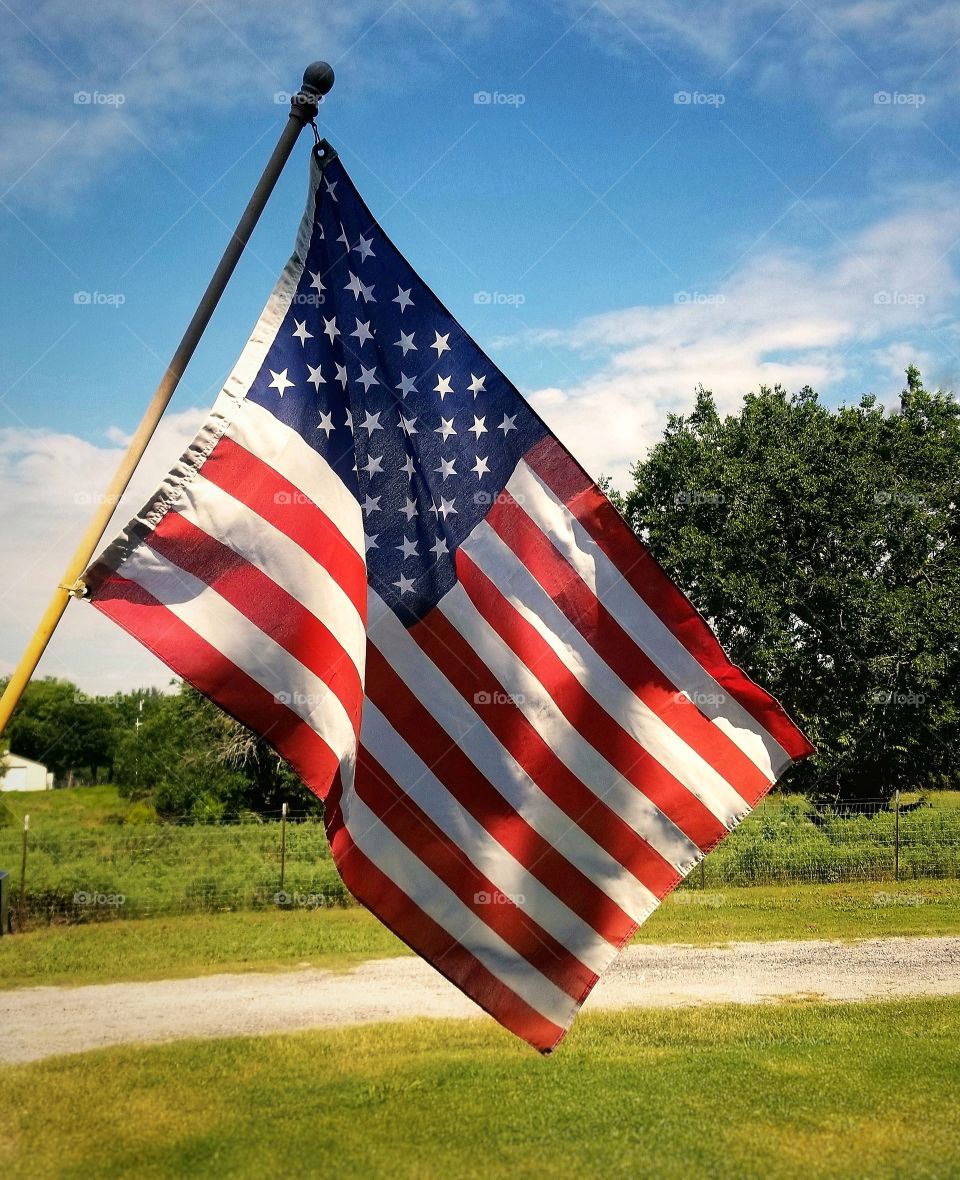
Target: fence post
[283,844]
[896,836]
[22,895]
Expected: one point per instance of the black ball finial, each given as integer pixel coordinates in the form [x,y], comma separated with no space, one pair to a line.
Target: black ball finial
[318,79]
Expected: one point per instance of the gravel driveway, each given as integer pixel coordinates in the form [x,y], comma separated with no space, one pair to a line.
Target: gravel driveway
[46,1021]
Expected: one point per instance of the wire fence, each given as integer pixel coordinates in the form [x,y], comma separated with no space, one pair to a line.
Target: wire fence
[785,843]
[138,870]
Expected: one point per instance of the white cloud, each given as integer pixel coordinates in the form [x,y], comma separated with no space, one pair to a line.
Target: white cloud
[147,69]
[837,54]
[846,321]
[49,483]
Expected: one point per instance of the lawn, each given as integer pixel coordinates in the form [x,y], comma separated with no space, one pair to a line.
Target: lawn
[803,1090]
[159,948]
[69,810]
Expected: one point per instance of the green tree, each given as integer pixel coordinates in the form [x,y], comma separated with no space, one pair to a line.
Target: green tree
[822,545]
[192,759]
[71,732]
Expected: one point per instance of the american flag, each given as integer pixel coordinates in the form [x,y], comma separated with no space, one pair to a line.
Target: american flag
[376,555]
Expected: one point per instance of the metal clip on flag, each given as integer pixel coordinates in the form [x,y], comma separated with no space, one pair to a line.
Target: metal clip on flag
[376,555]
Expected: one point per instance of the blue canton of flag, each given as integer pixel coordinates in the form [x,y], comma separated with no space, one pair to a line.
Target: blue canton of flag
[376,375]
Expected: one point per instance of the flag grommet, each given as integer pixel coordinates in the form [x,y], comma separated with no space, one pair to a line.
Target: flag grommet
[324,153]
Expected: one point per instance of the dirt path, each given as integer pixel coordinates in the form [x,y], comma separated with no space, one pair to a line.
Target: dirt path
[45,1021]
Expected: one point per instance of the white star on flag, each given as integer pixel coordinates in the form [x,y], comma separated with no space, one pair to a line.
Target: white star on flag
[362,332]
[367,378]
[280,382]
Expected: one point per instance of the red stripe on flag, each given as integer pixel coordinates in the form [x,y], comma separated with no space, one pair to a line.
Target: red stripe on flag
[397,911]
[414,828]
[437,750]
[570,484]
[615,647]
[636,764]
[267,605]
[467,674]
[202,665]
[248,479]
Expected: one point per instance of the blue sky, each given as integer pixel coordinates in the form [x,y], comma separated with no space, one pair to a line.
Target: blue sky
[646,196]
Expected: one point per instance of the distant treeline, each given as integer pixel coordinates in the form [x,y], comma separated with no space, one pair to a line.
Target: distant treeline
[175,749]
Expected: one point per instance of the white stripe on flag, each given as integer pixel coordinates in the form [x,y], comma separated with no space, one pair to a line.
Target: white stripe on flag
[244,645]
[489,857]
[467,730]
[272,552]
[642,624]
[573,750]
[265,436]
[518,585]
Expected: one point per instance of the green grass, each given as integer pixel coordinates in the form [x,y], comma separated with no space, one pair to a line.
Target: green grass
[197,944]
[781,843]
[768,912]
[158,948]
[68,810]
[141,870]
[806,1090]
[82,845]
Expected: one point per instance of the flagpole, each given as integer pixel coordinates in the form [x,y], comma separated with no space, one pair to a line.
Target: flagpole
[318,78]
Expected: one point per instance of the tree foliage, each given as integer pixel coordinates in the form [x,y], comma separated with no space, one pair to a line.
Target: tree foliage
[196,760]
[177,750]
[822,545]
[71,733]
